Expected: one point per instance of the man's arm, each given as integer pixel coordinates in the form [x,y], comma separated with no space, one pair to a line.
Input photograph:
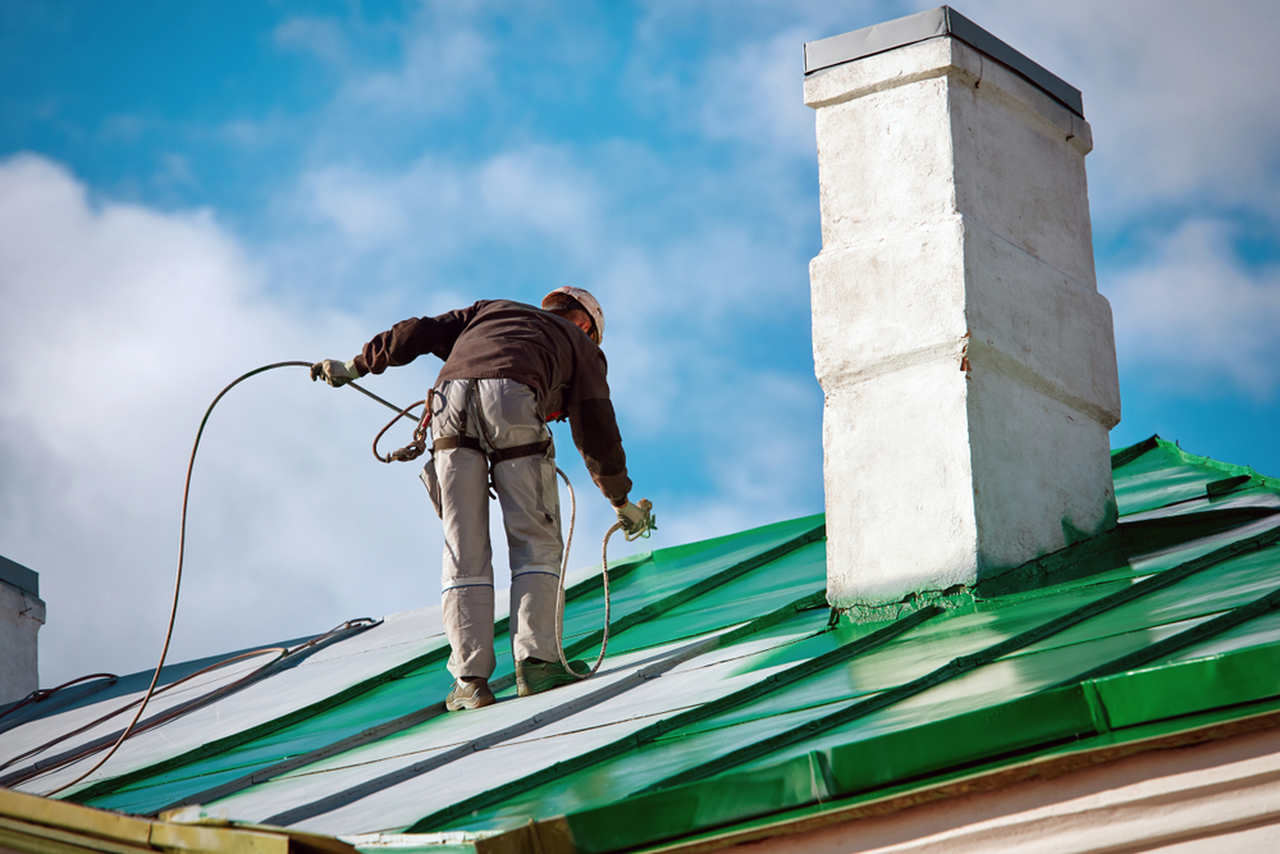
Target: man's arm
[409,339]
[595,432]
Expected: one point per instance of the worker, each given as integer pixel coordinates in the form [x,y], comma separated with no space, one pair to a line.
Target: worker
[508,369]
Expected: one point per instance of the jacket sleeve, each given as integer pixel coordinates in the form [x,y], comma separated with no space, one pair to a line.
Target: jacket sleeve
[595,432]
[595,427]
[409,339]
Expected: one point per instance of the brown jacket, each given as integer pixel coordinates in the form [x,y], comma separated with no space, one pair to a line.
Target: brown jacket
[511,340]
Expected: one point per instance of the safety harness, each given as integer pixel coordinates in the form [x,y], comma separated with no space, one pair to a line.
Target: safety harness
[418,446]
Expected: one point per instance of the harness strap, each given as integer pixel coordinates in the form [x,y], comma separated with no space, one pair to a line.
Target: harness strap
[530,450]
[446,443]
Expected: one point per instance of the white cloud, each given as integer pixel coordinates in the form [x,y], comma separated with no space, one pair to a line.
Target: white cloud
[321,37]
[1199,319]
[530,193]
[175,170]
[367,210]
[256,133]
[440,69]
[753,95]
[126,127]
[540,190]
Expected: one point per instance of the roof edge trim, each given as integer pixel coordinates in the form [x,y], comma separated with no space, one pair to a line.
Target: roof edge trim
[1097,751]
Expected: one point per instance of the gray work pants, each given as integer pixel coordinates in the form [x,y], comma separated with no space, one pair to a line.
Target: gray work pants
[499,413]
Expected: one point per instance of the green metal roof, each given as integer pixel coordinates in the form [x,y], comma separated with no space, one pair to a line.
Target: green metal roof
[731,696]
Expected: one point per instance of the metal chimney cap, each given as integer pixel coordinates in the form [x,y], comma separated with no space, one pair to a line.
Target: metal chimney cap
[943,21]
[19,576]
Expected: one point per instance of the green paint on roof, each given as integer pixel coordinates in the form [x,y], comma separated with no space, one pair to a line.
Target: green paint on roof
[732,697]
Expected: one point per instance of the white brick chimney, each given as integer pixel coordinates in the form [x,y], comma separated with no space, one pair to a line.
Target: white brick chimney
[21,616]
[967,359]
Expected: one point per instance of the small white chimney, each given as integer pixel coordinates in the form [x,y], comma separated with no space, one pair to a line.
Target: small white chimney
[21,616]
[967,359]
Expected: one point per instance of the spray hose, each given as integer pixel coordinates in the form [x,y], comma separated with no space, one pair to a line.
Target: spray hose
[646,506]
[415,449]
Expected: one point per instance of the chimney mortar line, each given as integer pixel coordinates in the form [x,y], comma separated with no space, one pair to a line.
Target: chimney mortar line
[996,359]
[1071,281]
[880,86]
[950,348]
[976,352]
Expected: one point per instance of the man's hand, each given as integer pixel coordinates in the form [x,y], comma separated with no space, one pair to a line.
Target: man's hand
[335,373]
[635,520]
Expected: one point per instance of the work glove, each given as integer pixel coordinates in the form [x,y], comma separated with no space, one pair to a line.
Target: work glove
[635,520]
[335,373]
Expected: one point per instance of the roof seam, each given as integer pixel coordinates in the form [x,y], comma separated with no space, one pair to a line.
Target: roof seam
[1079,560]
[1200,631]
[1123,456]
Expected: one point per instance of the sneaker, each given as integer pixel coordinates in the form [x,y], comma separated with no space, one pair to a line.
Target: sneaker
[468,693]
[533,675]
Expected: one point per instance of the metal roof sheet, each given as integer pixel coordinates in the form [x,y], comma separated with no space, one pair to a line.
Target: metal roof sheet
[730,694]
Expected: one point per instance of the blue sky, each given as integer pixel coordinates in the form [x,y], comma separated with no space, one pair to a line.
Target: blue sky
[189,190]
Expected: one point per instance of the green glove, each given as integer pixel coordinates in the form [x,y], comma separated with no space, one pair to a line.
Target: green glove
[335,373]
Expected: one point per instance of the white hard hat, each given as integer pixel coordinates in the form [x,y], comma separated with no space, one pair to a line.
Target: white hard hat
[584,299]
